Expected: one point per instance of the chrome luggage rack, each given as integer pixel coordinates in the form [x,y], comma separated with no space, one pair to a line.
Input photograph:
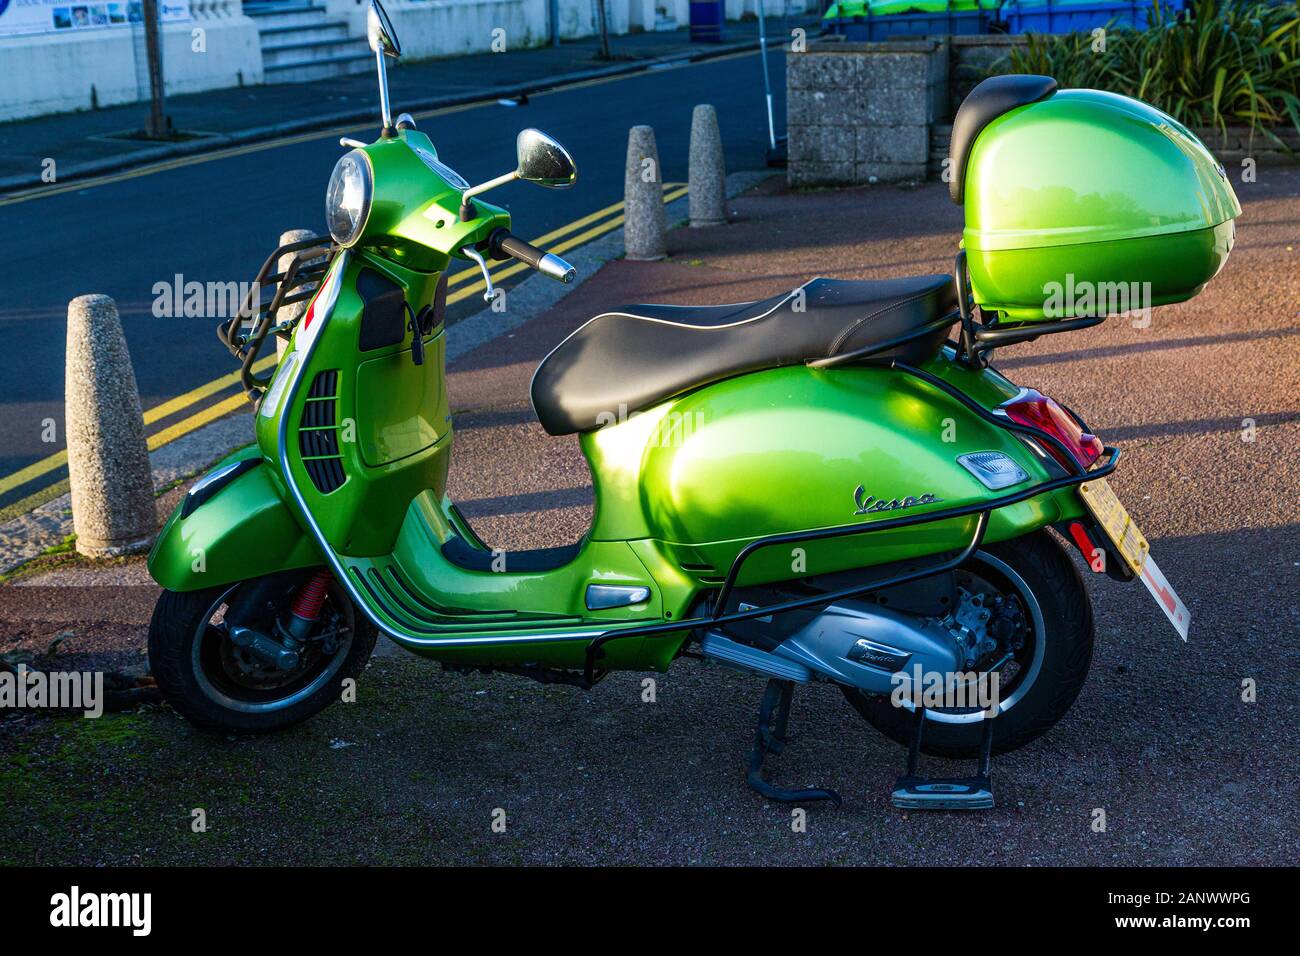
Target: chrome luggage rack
[244,334]
[977,339]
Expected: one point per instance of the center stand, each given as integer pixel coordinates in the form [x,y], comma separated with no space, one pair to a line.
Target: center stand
[773,718]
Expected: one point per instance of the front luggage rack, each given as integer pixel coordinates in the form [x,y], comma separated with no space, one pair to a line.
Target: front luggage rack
[244,334]
[982,510]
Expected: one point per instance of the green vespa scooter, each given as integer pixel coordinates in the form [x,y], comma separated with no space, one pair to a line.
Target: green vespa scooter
[820,486]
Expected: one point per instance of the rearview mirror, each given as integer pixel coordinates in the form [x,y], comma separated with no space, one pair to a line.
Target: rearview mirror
[540,160]
[380,32]
[544,161]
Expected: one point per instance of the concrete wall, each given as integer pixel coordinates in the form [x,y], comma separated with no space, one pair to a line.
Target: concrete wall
[434,28]
[862,112]
[969,60]
[1239,144]
[52,73]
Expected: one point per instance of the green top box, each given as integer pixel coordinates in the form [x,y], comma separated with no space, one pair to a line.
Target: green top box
[1082,202]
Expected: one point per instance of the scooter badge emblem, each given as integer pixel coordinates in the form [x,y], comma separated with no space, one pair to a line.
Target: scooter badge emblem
[870,504]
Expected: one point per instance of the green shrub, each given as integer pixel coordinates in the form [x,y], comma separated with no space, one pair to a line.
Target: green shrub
[1216,64]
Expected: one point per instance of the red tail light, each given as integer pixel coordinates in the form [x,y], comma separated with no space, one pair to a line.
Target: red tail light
[1038,411]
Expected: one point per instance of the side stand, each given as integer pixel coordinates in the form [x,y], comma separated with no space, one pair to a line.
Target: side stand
[773,717]
[914,792]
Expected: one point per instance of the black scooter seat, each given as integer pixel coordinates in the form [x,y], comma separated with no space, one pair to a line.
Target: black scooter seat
[639,355]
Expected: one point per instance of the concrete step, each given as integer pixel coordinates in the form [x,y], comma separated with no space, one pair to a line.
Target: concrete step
[264,8]
[318,70]
[326,30]
[294,51]
[295,15]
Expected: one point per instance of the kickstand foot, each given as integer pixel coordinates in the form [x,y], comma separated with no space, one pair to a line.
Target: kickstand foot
[773,719]
[914,792]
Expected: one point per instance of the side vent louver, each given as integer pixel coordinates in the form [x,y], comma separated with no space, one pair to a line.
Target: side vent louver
[318,434]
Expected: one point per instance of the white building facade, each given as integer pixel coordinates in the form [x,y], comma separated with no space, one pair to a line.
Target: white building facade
[66,55]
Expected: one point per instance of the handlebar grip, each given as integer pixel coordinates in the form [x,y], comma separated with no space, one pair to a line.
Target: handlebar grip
[503,244]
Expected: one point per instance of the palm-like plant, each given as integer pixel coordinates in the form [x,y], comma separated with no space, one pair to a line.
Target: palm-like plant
[1219,62]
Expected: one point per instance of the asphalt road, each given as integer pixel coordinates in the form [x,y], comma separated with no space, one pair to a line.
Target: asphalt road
[1187,771]
[217,220]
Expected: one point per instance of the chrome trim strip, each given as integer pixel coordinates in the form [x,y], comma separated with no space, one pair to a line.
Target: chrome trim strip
[214,482]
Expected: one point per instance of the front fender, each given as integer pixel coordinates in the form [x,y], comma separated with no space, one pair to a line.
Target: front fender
[244,530]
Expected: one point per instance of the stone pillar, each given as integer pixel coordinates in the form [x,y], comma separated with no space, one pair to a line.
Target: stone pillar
[113,510]
[708,174]
[644,222]
[861,112]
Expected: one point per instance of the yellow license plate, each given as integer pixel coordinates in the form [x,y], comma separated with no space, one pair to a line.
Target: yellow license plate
[1115,521]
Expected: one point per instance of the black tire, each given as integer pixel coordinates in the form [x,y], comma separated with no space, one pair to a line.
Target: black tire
[1044,566]
[173,633]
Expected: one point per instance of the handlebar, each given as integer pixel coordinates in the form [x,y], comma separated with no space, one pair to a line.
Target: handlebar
[503,245]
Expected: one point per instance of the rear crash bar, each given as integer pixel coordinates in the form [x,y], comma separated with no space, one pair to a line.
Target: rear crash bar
[981,508]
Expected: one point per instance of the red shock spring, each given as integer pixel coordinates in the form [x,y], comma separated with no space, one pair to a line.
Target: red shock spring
[307,602]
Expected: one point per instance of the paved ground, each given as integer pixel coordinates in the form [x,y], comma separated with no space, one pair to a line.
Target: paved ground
[1160,738]
[216,220]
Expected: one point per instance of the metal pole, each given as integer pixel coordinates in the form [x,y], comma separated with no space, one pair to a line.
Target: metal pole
[554,7]
[767,80]
[156,126]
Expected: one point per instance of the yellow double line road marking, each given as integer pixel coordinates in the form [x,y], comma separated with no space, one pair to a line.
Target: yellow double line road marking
[592,226]
[194,159]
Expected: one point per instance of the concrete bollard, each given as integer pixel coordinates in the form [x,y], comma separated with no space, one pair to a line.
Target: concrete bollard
[113,510]
[708,174]
[295,309]
[644,223]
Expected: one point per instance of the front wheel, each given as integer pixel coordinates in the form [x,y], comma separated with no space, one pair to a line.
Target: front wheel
[1042,590]
[222,686]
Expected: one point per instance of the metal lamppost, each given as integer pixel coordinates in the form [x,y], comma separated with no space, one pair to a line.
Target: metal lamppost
[776,151]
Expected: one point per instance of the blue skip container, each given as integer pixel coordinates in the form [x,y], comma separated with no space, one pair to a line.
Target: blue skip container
[872,20]
[1073,16]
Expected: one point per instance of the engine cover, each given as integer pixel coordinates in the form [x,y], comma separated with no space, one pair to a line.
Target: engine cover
[852,642]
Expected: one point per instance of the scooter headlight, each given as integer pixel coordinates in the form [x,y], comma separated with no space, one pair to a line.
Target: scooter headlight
[347,199]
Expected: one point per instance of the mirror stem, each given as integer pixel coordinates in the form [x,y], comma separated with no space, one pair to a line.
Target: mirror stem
[490,184]
[385,108]
[466,208]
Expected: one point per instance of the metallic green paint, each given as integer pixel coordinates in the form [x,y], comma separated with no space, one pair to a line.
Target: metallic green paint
[784,450]
[399,413]
[244,531]
[1091,187]
[390,450]
[414,216]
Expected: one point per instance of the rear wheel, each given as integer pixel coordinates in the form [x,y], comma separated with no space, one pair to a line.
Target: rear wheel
[224,687]
[1042,662]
